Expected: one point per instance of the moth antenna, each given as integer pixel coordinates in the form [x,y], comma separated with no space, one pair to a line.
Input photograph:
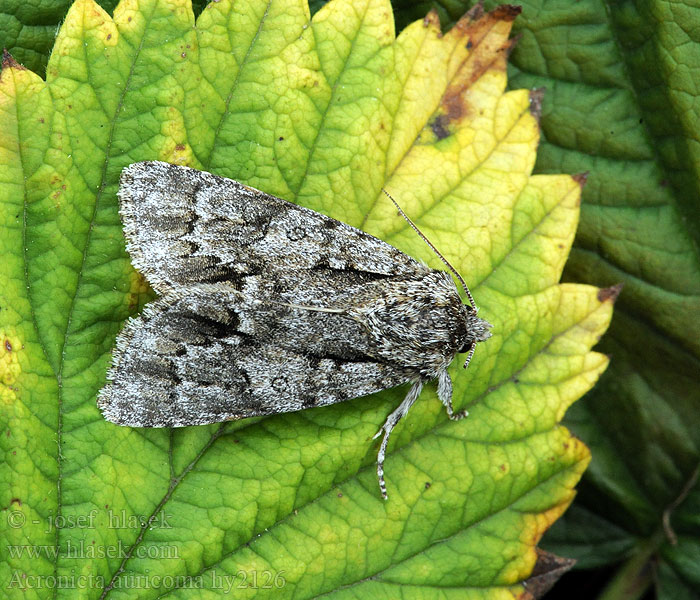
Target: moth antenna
[434,249]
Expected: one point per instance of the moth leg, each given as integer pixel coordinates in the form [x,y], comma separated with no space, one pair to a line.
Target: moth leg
[388,426]
[444,390]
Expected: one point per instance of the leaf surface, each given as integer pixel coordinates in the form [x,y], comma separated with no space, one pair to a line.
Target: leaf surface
[324,112]
[621,104]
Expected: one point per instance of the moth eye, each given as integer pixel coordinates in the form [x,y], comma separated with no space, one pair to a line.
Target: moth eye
[466,348]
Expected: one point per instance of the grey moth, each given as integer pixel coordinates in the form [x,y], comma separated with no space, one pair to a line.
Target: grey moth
[266,307]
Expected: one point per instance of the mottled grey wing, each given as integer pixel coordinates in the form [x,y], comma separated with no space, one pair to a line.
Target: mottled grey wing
[211,356]
[185,227]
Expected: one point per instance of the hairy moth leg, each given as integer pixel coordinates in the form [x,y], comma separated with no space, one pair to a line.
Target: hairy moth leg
[387,428]
[444,390]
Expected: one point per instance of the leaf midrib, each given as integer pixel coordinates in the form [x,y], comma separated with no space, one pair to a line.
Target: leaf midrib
[174,483]
[69,320]
[329,105]
[207,164]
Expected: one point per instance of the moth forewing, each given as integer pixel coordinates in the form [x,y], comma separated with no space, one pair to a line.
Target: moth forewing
[267,307]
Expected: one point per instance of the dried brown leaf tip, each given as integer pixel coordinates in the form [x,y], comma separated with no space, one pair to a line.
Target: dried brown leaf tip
[581,178]
[485,38]
[610,293]
[8,61]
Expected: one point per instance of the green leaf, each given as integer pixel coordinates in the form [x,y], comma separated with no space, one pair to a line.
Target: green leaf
[621,103]
[324,112]
[28,29]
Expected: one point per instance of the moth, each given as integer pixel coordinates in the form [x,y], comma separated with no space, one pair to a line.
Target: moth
[267,307]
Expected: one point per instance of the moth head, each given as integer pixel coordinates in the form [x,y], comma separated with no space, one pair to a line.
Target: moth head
[477,330]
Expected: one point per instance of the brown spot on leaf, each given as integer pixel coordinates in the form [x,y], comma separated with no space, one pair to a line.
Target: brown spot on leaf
[454,105]
[8,345]
[454,110]
[16,501]
[474,28]
[180,147]
[611,293]
[439,127]
[475,25]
